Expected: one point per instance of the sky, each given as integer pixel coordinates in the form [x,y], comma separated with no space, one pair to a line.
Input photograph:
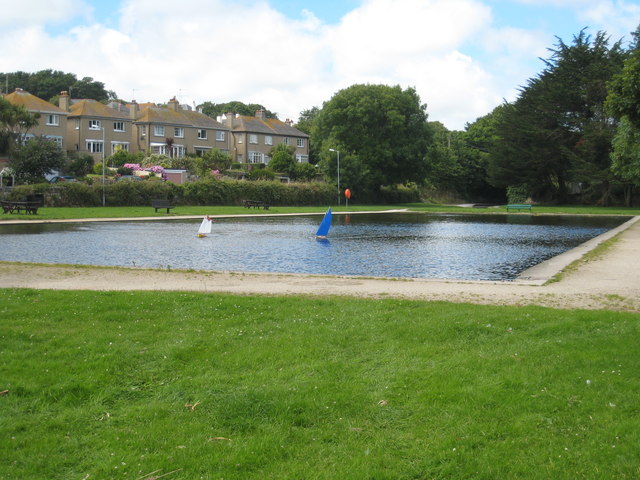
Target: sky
[463,57]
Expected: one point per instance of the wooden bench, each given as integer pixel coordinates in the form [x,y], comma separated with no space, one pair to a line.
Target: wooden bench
[255,204]
[159,203]
[519,207]
[10,206]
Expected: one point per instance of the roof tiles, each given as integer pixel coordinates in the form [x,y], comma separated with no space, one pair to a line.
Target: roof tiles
[32,103]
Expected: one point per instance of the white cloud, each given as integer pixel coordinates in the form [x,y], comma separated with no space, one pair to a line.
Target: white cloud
[218,50]
[617,18]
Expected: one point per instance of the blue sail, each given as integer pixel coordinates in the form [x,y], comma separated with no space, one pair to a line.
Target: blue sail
[325,225]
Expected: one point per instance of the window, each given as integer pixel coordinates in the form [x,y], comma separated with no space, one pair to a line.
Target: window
[256,157]
[158,131]
[300,142]
[253,138]
[94,146]
[268,140]
[302,158]
[117,146]
[94,125]
[200,151]
[240,138]
[143,130]
[53,119]
[77,124]
[285,140]
[178,151]
[178,132]
[202,134]
[118,126]
[219,136]
[160,148]
[58,140]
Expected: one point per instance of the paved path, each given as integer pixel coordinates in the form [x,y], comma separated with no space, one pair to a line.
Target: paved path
[609,281]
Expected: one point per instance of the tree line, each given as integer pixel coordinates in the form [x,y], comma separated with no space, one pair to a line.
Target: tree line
[572,134]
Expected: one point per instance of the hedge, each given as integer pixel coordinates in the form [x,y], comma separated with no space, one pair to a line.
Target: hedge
[205,192]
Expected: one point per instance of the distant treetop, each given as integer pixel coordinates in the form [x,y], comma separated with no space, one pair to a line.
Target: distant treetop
[216,109]
[47,84]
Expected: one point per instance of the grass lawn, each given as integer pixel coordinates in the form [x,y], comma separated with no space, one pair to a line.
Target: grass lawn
[105,385]
[56,213]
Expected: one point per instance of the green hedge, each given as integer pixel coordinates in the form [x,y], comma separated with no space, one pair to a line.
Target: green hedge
[205,192]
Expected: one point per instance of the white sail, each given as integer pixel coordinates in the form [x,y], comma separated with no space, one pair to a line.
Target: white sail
[205,227]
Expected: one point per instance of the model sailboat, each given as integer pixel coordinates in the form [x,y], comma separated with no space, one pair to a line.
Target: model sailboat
[325,225]
[205,227]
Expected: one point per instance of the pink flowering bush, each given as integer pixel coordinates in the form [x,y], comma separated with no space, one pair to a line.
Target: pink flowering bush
[155,169]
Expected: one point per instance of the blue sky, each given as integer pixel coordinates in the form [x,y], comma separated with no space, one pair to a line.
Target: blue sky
[462,56]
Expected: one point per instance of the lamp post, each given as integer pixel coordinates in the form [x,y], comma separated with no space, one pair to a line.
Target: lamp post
[338,154]
[103,197]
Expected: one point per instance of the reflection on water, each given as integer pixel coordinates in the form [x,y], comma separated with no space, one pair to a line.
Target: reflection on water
[470,247]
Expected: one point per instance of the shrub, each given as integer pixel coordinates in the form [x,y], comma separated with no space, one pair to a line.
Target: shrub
[79,164]
[205,192]
[399,194]
[517,194]
[261,174]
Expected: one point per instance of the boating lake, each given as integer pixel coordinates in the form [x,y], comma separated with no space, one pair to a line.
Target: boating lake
[410,245]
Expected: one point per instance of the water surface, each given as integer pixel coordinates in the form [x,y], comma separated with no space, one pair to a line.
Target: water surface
[466,247]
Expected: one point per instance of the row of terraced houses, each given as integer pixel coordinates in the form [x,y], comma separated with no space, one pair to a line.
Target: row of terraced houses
[88,126]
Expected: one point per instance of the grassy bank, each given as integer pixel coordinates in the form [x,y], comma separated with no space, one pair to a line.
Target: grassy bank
[119,385]
[58,213]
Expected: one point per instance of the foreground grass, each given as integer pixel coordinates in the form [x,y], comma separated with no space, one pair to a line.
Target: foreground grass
[119,385]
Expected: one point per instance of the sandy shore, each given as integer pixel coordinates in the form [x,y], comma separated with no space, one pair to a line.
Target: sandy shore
[611,281]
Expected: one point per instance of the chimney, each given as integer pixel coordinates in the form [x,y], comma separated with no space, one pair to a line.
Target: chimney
[289,122]
[230,117]
[261,114]
[133,110]
[63,100]
[173,104]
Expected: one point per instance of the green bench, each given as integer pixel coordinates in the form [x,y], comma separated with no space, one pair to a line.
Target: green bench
[519,207]
[255,204]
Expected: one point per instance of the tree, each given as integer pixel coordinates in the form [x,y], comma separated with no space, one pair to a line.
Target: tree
[624,89]
[478,140]
[304,172]
[90,88]
[214,110]
[443,167]
[37,158]
[78,164]
[282,159]
[557,131]
[626,157]
[212,160]
[623,103]
[381,128]
[15,122]
[305,124]
[122,156]
[47,84]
